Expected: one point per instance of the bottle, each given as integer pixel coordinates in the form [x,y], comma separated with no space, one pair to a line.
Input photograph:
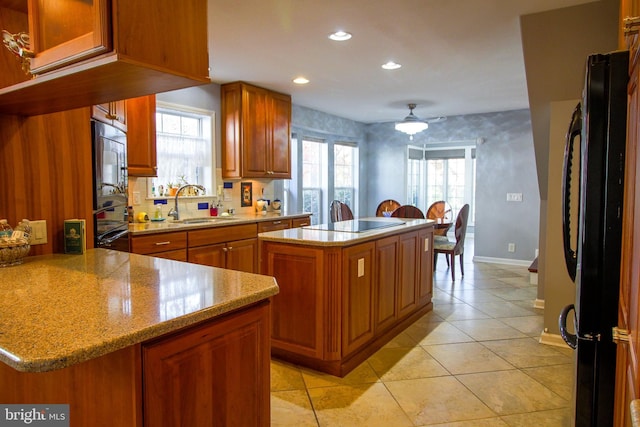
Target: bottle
[5,229]
[23,230]
[130,214]
[213,210]
[158,214]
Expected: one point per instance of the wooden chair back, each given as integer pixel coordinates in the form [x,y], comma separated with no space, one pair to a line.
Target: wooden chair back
[442,210]
[339,211]
[407,211]
[387,207]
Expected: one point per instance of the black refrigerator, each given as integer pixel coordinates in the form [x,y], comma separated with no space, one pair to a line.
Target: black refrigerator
[592,244]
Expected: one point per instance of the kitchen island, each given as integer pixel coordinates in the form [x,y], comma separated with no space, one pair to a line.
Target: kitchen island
[346,288]
[132,340]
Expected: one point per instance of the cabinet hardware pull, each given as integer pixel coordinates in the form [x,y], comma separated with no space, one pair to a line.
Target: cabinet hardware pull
[277,222]
[163,243]
[631,24]
[111,116]
[224,249]
[230,248]
[619,335]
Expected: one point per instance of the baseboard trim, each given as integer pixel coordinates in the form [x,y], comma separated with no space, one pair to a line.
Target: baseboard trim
[508,261]
[538,303]
[552,339]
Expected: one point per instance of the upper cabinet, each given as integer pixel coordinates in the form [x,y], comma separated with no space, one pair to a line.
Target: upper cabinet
[55,43]
[141,136]
[256,129]
[93,52]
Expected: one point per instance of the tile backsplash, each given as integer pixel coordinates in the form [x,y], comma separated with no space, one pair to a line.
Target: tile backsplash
[198,206]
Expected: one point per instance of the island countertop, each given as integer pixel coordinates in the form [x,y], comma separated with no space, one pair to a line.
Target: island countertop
[59,310]
[331,234]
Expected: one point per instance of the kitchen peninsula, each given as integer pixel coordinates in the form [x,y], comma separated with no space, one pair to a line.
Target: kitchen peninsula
[346,288]
[133,340]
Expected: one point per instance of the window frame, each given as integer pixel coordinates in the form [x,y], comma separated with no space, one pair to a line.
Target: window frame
[193,111]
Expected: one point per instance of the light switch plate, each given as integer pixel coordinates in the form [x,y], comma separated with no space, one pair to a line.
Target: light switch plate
[39,232]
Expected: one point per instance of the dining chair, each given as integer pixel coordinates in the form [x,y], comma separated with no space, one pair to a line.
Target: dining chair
[339,211]
[451,248]
[387,207]
[407,211]
[442,210]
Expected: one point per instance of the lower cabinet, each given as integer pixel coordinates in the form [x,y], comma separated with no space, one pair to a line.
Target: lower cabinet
[216,374]
[338,305]
[233,247]
[162,245]
[357,293]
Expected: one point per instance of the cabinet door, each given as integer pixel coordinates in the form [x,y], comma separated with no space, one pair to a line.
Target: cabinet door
[242,255]
[256,132]
[67,31]
[216,374]
[300,222]
[113,113]
[407,273]
[280,150]
[141,136]
[425,265]
[211,255]
[357,297]
[386,308]
[280,224]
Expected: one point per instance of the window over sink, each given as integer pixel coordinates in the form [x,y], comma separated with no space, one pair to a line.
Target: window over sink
[185,149]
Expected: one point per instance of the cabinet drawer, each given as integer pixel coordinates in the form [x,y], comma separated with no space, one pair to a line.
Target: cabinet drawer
[214,235]
[278,224]
[153,243]
[300,222]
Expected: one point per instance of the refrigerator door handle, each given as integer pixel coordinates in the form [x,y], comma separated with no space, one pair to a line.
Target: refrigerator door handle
[568,337]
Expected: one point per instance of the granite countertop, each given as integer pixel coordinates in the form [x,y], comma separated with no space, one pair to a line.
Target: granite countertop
[170,224]
[315,235]
[59,310]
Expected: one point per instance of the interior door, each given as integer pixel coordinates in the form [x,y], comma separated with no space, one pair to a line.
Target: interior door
[627,382]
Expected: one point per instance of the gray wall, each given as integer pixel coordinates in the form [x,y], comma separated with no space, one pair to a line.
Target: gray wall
[504,163]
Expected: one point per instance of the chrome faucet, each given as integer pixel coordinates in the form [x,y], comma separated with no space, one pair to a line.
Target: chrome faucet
[174,210]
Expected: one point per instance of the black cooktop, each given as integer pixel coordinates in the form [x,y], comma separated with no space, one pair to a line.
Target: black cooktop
[354,226]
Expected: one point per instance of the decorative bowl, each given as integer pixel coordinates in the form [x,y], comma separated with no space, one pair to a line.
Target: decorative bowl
[12,252]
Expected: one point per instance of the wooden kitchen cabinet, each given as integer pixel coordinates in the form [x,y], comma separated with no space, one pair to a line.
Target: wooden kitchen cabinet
[232,247]
[98,51]
[300,222]
[141,136]
[164,245]
[113,113]
[56,43]
[256,132]
[276,224]
[216,374]
[357,295]
[337,305]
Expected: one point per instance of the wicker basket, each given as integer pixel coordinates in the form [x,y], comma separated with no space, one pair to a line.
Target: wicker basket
[12,252]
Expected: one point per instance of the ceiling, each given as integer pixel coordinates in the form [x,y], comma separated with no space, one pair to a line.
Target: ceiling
[458,56]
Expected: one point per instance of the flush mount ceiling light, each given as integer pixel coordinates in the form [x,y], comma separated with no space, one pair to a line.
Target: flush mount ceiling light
[301,80]
[391,65]
[411,124]
[340,36]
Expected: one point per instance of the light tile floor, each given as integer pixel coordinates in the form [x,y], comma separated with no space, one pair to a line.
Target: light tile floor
[474,361]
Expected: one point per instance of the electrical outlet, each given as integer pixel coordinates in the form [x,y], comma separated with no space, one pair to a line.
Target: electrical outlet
[514,197]
[511,247]
[39,232]
[136,198]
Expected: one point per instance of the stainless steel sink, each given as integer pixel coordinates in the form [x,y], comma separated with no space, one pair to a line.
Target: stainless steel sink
[203,220]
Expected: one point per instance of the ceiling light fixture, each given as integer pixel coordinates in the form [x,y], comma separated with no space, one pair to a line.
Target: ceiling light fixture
[301,80]
[340,36]
[391,65]
[411,124]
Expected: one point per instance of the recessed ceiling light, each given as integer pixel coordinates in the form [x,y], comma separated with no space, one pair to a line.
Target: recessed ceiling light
[300,81]
[391,65]
[340,36]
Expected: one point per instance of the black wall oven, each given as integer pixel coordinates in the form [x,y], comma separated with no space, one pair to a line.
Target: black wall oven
[110,187]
